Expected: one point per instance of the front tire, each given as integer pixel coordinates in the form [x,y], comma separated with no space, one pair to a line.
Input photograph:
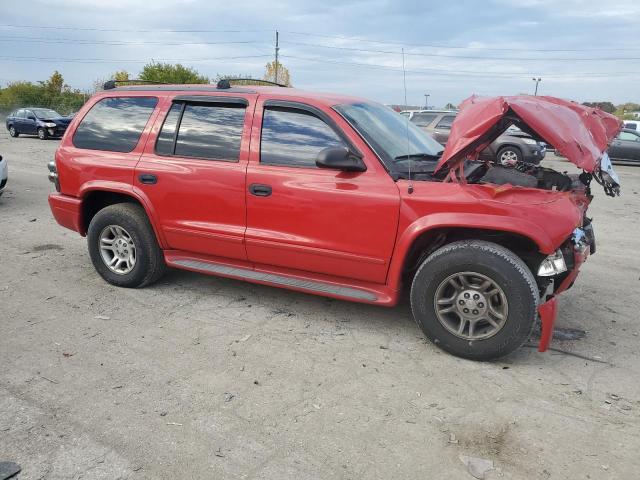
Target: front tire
[123,246]
[42,134]
[475,299]
[13,132]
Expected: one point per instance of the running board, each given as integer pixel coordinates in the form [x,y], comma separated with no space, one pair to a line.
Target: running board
[312,286]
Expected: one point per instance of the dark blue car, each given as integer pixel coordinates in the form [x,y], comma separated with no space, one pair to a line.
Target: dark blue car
[43,122]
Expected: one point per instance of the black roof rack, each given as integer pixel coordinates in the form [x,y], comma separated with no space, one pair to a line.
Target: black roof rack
[111,84]
[226,82]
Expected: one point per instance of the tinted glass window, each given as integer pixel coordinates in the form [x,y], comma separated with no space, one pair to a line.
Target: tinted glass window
[628,136]
[211,131]
[423,119]
[446,121]
[21,113]
[114,124]
[631,126]
[164,144]
[294,137]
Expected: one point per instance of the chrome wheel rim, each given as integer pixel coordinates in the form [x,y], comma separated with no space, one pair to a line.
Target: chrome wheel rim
[12,132]
[117,249]
[509,157]
[41,133]
[471,306]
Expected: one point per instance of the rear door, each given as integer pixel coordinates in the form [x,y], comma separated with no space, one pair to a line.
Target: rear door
[442,129]
[303,217]
[625,146]
[20,120]
[194,174]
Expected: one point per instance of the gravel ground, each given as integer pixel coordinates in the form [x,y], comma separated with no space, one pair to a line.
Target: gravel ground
[201,377]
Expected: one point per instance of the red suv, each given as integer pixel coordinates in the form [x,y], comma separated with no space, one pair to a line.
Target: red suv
[325,194]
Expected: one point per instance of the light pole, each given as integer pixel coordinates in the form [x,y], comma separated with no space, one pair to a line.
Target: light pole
[537,80]
[426,101]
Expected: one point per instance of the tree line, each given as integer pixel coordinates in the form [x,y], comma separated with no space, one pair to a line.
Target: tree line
[54,93]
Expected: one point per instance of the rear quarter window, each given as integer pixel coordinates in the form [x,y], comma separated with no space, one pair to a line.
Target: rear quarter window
[114,124]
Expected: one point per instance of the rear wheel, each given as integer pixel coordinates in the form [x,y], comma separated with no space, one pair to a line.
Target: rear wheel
[123,246]
[509,156]
[13,132]
[475,299]
[42,134]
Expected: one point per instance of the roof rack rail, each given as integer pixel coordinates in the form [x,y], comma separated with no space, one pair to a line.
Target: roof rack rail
[226,82]
[111,84]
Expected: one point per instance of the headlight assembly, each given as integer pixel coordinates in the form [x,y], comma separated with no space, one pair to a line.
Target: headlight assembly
[552,265]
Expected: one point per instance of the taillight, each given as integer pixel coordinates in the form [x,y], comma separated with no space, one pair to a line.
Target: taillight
[53,174]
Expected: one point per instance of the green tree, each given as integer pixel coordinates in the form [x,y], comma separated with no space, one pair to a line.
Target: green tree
[604,106]
[55,84]
[450,106]
[121,76]
[171,73]
[283,73]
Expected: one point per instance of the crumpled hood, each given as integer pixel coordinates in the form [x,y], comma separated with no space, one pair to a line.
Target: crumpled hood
[578,132]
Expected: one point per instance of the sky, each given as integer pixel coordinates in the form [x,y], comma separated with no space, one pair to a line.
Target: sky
[584,50]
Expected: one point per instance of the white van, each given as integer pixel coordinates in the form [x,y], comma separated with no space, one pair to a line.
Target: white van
[632,125]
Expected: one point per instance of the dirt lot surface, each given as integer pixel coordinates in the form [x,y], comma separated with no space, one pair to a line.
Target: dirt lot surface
[200,378]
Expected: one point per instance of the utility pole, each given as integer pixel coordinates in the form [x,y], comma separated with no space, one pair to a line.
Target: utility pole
[537,80]
[426,101]
[276,67]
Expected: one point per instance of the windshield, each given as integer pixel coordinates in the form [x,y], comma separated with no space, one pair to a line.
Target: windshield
[390,134]
[45,113]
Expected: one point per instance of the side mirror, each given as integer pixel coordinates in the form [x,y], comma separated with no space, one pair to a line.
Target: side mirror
[340,159]
[31,117]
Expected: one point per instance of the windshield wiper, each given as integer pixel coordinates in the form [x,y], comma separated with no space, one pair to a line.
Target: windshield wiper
[424,156]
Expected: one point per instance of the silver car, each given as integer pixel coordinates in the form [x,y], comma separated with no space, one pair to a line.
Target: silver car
[4,174]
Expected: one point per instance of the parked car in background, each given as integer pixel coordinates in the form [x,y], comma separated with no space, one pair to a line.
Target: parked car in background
[632,125]
[509,149]
[626,146]
[4,174]
[43,122]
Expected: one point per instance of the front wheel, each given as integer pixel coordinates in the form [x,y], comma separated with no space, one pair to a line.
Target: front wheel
[475,299]
[509,156]
[42,134]
[13,132]
[123,246]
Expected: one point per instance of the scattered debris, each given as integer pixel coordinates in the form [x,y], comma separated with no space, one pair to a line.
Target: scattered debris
[316,406]
[228,397]
[163,414]
[245,338]
[382,347]
[453,439]
[568,334]
[218,453]
[256,382]
[476,466]
[174,424]
[66,354]
[48,379]
[102,317]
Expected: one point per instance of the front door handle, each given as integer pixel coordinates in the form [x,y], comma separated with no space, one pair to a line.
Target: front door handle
[260,190]
[148,178]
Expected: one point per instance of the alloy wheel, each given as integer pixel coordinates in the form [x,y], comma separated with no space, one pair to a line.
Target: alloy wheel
[117,249]
[471,305]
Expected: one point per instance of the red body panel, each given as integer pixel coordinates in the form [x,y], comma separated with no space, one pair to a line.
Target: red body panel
[578,132]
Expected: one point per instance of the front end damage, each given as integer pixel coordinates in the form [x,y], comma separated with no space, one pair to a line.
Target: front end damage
[579,133]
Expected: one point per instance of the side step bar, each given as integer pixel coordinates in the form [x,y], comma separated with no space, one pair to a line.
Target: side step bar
[312,286]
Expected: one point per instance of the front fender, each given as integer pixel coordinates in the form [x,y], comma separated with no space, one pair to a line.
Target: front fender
[519,226]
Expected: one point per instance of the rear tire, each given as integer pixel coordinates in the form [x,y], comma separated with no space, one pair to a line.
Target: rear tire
[438,298]
[42,134]
[509,156]
[137,242]
[13,132]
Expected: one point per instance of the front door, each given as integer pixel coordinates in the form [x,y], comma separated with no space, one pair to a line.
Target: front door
[318,220]
[30,125]
[194,175]
[625,146]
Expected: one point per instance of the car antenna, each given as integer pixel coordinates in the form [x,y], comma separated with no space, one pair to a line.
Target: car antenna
[404,81]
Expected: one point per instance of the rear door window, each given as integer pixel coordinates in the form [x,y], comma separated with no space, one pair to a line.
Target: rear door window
[207,131]
[423,119]
[446,122]
[294,138]
[114,124]
[628,136]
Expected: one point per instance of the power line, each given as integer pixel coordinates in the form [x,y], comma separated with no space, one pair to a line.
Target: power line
[463,57]
[114,60]
[159,30]
[76,41]
[456,71]
[465,47]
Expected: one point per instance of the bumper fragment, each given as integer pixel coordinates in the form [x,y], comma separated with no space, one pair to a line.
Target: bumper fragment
[548,312]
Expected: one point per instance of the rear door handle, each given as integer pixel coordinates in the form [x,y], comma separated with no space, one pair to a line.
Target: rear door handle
[260,190]
[148,178]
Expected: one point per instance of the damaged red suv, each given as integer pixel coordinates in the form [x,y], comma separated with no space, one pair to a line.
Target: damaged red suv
[337,196]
